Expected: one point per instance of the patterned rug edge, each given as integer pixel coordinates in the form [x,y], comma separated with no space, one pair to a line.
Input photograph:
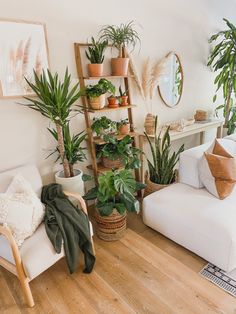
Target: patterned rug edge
[221,283]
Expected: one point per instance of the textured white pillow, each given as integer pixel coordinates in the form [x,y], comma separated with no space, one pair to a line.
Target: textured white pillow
[21,209]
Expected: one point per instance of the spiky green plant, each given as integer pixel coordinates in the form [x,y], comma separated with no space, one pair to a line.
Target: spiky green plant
[162,167]
[74,152]
[95,52]
[54,100]
[120,36]
[223,60]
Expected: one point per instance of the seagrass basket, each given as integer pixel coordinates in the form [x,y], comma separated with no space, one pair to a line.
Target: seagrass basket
[112,164]
[152,187]
[112,227]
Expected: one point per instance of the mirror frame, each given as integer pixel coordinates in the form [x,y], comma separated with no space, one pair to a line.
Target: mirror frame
[182,72]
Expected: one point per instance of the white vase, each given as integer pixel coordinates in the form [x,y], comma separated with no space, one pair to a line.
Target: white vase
[74,184]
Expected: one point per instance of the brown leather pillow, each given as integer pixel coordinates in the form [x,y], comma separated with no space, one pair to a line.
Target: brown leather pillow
[220,177]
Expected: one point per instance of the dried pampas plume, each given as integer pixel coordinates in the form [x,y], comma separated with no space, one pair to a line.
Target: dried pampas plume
[157,72]
[133,71]
[146,78]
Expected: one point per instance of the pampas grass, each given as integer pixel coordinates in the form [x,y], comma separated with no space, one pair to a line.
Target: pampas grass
[146,70]
[133,71]
[158,70]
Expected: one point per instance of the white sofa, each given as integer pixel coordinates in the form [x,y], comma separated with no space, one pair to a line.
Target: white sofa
[189,215]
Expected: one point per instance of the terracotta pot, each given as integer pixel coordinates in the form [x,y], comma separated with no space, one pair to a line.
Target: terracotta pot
[124,100]
[152,187]
[149,124]
[112,102]
[98,102]
[110,163]
[112,227]
[124,129]
[119,66]
[95,69]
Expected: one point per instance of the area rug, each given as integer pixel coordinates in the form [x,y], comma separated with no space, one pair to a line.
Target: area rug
[226,281]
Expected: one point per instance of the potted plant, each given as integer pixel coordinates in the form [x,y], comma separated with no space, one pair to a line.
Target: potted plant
[120,37]
[161,170]
[54,100]
[123,98]
[96,93]
[95,55]
[124,126]
[103,125]
[119,153]
[74,153]
[114,195]
[223,61]
[112,101]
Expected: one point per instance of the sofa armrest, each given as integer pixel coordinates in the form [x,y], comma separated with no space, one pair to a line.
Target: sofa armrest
[80,199]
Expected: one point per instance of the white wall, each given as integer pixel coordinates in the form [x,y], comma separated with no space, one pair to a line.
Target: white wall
[182,26]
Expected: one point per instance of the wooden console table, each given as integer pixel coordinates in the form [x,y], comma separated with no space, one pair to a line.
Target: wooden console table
[196,128]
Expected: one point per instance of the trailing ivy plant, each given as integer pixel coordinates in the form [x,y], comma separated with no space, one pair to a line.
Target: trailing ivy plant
[115,189]
[162,166]
[223,61]
[95,52]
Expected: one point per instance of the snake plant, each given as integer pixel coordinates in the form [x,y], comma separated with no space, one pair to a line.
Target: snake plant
[162,166]
[95,52]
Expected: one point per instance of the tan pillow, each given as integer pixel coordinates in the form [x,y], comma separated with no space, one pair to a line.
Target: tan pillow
[218,171]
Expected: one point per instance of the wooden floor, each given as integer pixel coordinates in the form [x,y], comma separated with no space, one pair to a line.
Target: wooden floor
[142,273]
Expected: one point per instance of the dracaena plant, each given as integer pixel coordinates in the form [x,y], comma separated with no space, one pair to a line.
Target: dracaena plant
[54,100]
[115,189]
[74,151]
[223,61]
[95,52]
[121,36]
[162,165]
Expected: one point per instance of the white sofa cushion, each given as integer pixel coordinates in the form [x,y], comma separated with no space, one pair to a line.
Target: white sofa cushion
[190,159]
[196,220]
[37,252]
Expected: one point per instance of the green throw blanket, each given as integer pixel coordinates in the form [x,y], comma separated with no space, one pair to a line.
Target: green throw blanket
[65,224]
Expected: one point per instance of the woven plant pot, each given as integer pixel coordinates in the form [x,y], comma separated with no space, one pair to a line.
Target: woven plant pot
[152,187]
[112,227]
[98,102]
[113,164]
[149,124]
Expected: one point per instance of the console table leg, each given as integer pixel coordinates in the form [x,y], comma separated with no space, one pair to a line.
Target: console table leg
[219,132]
[202,137]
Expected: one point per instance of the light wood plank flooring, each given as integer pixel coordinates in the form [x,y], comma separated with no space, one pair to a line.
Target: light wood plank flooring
[142,273]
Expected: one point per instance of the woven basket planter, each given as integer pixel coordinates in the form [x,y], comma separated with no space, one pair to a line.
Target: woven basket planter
[112,227]
[152,187]
[112,164]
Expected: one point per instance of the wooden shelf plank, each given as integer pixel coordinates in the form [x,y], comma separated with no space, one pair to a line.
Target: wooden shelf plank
[107,77]
[101,168]
[105,109]
[99,141]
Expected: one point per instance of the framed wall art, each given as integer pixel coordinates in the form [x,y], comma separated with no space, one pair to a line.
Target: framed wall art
[23,49]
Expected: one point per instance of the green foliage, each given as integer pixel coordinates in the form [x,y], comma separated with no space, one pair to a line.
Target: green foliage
[103,124]
[54,97]
[223,60]
[103,86]
[95,53]
[120,149]
[120,36]
[161,168]
[121,92]
[123,122]
[74,152]
[116,189]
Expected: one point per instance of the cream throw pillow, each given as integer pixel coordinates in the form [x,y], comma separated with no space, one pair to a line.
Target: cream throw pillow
[21,209]
[217,171]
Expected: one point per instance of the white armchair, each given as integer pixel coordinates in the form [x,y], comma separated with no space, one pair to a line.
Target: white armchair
[37,253]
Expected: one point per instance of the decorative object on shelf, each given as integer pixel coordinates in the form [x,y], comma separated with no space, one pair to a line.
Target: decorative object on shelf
[113,102]
[171,86]
[23,49]
[180,124]
[201,115]
[149,124]
[123,127]
[114,195]
[54,101]
[117,153]
[123,97]
[96,93]
[95,55]
[161,170]
[223,61]
[120,37]
[103,125]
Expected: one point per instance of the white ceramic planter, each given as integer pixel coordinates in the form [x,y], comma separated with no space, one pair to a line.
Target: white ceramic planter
[74,184]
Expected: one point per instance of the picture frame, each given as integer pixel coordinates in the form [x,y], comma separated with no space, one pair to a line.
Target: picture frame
[23,50]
